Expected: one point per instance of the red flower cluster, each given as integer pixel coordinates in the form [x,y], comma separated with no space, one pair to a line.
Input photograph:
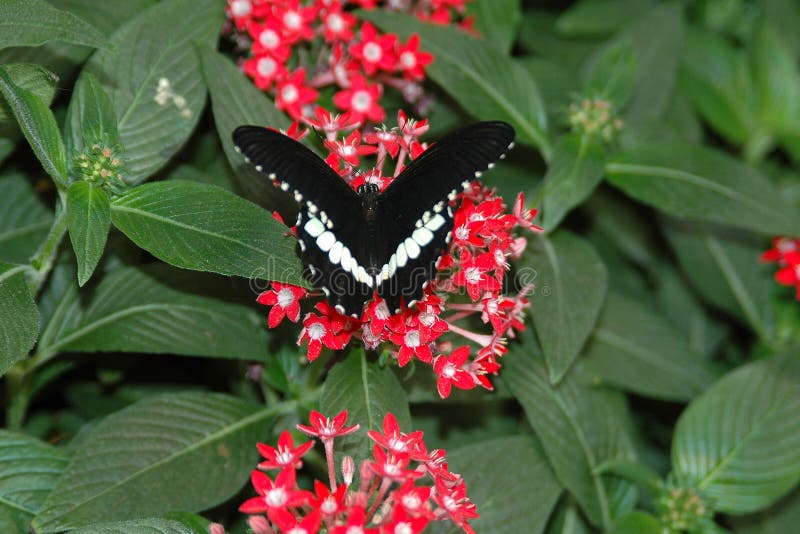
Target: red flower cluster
[338,50]
[476,264]
[401,489]
[785,252]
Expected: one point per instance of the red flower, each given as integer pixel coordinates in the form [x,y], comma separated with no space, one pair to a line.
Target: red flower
[286,455]
[285,302]
[240,12]
[392,439]
[455,501]
[264,70]
[405,524]
[338,24]
[525,216]
[450,372]
[392,466]
[411,61]
[327,428]
[317,332]
[269,40]
[412,343]
[348,150]
[308,525]
[293,94]
[329,504]
[295,21]
[356,523]
[385,137]
[413,499]
[474,274]
[331,124]
[361,99]
[374,51]
[275,497]
[411,128]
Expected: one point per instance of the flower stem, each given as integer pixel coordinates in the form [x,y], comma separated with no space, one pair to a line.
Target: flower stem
[42,261]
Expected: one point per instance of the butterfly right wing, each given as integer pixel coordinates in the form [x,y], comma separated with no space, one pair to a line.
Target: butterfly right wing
[331,230]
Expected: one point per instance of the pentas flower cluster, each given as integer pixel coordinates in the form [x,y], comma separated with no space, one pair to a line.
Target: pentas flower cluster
[402,488]
[785,252]
[467,285]
[296,51]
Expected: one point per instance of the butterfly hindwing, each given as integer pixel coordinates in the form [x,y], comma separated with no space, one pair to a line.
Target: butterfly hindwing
[416,211]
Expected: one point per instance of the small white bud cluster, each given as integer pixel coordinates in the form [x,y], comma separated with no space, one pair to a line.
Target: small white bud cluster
[164,96]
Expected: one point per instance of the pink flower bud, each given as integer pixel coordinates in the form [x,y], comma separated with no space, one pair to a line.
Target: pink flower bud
[259,524]
[216,528]
[348,470]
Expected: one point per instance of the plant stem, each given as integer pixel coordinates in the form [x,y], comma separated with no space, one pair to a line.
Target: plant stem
[42,261]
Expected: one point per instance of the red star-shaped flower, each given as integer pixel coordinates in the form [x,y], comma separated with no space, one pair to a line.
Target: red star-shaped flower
[327,428]
[474,274]
[450,372]
[268,39]
[317,333]
[285,302]
[275,497]
[374,51]
[293,94]
[411,60]
[392,439]
[348,150]
[286,455]
[361,99]
[264,70]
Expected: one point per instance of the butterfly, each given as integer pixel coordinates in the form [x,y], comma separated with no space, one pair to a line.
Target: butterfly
[358,244]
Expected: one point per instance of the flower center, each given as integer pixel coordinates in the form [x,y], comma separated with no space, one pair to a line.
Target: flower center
[240,8]
[449,371]
[372,52]
[473,275]
[785,245]
[335,23]
[462,232]
[408,59]
[328,506]
[290,94]
[427,319]
[411,502]
[275,497]
[297,530]
[398,445]
[347,150]
[361,101]
[354,529]
[292,20]
[403,528]
[284,458]
[316,331]
[411,339]
[266,66]
[269,39]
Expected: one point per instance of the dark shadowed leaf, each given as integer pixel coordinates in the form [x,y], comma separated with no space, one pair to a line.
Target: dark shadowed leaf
[138,526]
[600,17]
[35,22]
[497,21]
[91,117]
[24,220]
[34,78]
[611,73]
[19,317]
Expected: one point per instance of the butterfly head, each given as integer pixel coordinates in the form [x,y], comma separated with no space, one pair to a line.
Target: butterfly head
[368,189]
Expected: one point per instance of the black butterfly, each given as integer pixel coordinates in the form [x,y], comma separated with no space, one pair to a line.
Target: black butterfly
[359,244]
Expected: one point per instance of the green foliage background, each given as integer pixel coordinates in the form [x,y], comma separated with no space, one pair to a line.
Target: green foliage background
[659,355]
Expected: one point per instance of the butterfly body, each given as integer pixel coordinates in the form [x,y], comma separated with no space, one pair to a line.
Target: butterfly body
[360,244]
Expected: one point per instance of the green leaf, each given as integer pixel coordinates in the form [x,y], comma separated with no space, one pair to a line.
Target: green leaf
[487,84]
[580,427]
[29,469]
[88,220]
[236,101]
[738,444]
[717,80]
[34,78]
[556,81]
[570,287]
[636,472]
[202,227]
[35,22]
[497,21]
[776,79]
[137,526]
[19,317]
[24,220]
[91,117]
[659,37]
[368,392]
[703,184]
[611,73]
[577,167]
[777,519]
[635,349]
[158,44]
[196,448]
[38,125]
[725,269]
[511,482]
[599,17]
[141,310]
[636,522]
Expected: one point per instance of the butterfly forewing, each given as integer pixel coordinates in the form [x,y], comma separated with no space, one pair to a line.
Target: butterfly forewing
[416,209]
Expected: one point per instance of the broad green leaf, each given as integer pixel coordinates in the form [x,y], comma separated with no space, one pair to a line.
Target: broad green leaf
[195,522]
[190,173]
[510,481]
[140,310]
[24,220]
[196,448]
[91,117]
[29,469]
[580,427]
[624,225]
[700,183]
[636,472]
[776,79]
[635,349]
[784,16]
[236,101]
[542,37]
[497,21]
[600,17]
[556,82]
[611,73]
[487,84]
[154,79]
[19,317]
[35,22]
[725,269]
[577,167]
[368,392]
[137,526]
[204,228]
[659,37]
[38,125]
[777,519]
[88,220]
[716,78]
[570,285]
[33,78]
[637,522]
[567,519]
[738,444]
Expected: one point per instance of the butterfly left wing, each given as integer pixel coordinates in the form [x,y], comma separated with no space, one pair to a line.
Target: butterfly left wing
[416,215]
